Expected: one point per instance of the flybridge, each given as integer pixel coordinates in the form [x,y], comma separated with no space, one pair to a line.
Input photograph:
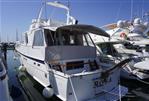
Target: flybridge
[39,22]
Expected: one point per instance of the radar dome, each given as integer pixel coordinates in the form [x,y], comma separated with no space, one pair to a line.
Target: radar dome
[120,24]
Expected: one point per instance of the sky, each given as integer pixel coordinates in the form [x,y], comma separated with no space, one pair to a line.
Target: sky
[18,14]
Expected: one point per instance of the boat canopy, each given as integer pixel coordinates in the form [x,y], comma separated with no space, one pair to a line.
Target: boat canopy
[83,28]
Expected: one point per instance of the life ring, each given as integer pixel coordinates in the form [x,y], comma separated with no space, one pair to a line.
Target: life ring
[123,35]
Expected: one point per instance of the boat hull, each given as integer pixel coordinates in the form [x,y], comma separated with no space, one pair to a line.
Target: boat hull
[80,87]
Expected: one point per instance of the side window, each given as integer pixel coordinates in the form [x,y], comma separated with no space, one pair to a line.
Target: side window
[38,38]
[50,40]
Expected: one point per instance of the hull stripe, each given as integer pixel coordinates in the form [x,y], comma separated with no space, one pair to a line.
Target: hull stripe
[37,60]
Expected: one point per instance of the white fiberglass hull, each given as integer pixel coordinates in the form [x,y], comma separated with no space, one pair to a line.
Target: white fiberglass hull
[77,87]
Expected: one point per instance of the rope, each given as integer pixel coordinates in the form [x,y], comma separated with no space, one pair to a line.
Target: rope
[143,81]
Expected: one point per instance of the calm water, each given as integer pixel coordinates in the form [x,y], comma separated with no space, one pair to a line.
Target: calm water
[137,91]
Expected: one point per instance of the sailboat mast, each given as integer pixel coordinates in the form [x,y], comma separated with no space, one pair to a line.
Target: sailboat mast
[0,38]
[17,39]
[131,15]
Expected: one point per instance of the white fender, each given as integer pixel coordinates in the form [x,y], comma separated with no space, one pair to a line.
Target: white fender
[48,92]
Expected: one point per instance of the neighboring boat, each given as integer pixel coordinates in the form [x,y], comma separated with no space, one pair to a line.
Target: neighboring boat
[130,40]
[62,58]
[136,69]
[134,30]
[4,89]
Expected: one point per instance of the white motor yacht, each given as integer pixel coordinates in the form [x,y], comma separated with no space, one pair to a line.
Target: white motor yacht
[136,69]
[62,58]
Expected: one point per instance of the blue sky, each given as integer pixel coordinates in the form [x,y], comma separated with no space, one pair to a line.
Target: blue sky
[17,14]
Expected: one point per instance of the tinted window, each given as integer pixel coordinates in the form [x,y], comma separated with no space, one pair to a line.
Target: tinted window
[71,38]
[108,49]
[38,38]
[50,40]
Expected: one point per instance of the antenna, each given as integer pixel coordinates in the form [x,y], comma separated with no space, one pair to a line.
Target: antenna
[69,5]
[21,37]
[7,38]
[40,12]
[131,15]
[17,39]
[142,12]
[45,1]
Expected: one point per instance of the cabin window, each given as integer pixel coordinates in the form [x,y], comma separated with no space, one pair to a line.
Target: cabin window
[108,49]
[50,40]
[38,38]
[72,39]
[131,46]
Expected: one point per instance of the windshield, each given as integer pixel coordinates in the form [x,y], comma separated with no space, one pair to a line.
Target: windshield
[108,49]
[131,46]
